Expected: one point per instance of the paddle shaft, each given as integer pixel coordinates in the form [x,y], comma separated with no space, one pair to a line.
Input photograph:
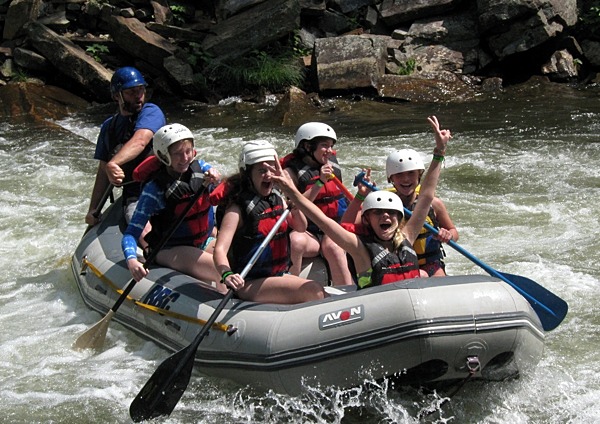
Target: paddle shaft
[342,187]
[549,322]
[161,398]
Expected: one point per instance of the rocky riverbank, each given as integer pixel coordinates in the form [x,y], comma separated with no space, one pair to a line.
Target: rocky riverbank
[418,51]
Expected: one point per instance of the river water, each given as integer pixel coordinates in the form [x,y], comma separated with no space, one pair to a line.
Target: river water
[521,181]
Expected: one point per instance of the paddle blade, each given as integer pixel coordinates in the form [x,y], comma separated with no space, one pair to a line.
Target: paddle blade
[550,308]
[94,337]
[164,389]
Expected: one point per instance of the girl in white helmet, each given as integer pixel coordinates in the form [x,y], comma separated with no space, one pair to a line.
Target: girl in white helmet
[404,169]
[251,209]
[381,247]
[172,177]
[313,166]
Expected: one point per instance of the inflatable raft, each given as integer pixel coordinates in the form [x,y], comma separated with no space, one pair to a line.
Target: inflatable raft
[415,331]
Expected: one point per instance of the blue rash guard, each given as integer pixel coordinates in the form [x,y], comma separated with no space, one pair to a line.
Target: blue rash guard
[152,201]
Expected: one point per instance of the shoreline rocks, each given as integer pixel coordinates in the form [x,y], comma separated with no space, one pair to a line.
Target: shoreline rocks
[417,51]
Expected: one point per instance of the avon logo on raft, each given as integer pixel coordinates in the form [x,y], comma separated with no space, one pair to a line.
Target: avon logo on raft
[341,317]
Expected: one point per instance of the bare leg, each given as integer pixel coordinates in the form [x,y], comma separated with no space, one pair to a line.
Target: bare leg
[338,263]
[193,262]
[287,289]
[303,245]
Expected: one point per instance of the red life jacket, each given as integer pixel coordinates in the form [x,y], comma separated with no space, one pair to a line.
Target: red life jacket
[198,223]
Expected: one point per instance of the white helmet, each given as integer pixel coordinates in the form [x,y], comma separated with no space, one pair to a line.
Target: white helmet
[167,135]
[403,161]
[312,130]
[256,151]
[382,199]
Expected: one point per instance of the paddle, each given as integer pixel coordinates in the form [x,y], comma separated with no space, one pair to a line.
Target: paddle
[550,308]
[163,390]
[101,203]
[342,187]
[94,337]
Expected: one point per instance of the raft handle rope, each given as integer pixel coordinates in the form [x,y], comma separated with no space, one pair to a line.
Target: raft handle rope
[473,366]
[86,264]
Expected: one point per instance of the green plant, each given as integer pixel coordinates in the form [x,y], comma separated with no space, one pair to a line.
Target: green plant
[408,67]
[590,18]
[20,75]
[259,69]
[96,50]
[298,47]
[179,12]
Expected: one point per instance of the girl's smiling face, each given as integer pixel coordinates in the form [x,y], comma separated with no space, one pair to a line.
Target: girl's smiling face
[323,149]
[260,175]
[405,183]
[182,154]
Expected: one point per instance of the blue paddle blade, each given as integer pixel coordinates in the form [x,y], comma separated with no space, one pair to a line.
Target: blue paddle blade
[550,308]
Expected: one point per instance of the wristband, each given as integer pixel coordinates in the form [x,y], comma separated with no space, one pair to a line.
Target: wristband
[319,183]
[438,158]
[225,275]
[359,197]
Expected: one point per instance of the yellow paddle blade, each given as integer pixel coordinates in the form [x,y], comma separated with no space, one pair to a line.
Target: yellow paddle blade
[95,336]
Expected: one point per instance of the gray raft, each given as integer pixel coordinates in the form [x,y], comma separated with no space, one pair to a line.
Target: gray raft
[414,331]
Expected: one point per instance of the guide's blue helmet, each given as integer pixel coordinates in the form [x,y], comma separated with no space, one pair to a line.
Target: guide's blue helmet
[124,78]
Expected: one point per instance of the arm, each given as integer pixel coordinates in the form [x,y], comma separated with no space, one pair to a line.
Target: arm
[231,222]
[313,190]
[447,230]
[147,206]
[353,213]
[297,220]
[130,150]
[345,239]
[428,185]
[100,185]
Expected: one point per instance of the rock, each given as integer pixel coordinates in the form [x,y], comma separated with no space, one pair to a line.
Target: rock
[28,59]
[139,42]
[257,26]
[19,13]
[295,108]
[430,88]
[36,102]
[561,66]
[71,61]
[394,12]
[354,61]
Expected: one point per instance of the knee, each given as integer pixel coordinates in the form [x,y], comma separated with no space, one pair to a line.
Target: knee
[297,241]
[314,291]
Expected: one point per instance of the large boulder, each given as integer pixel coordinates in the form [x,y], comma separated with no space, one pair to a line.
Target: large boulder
[19,13]
[257,26]
[23,102]
[515,26]
[350,62]
[71,61]
[138,41]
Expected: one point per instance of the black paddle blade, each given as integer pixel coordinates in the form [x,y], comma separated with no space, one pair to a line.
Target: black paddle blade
[164,389]
[550,308]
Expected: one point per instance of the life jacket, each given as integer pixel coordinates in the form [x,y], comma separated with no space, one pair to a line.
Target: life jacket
[331,199]
[428,249]
[259,215]
[117,137]
[198,222]
[386,267]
